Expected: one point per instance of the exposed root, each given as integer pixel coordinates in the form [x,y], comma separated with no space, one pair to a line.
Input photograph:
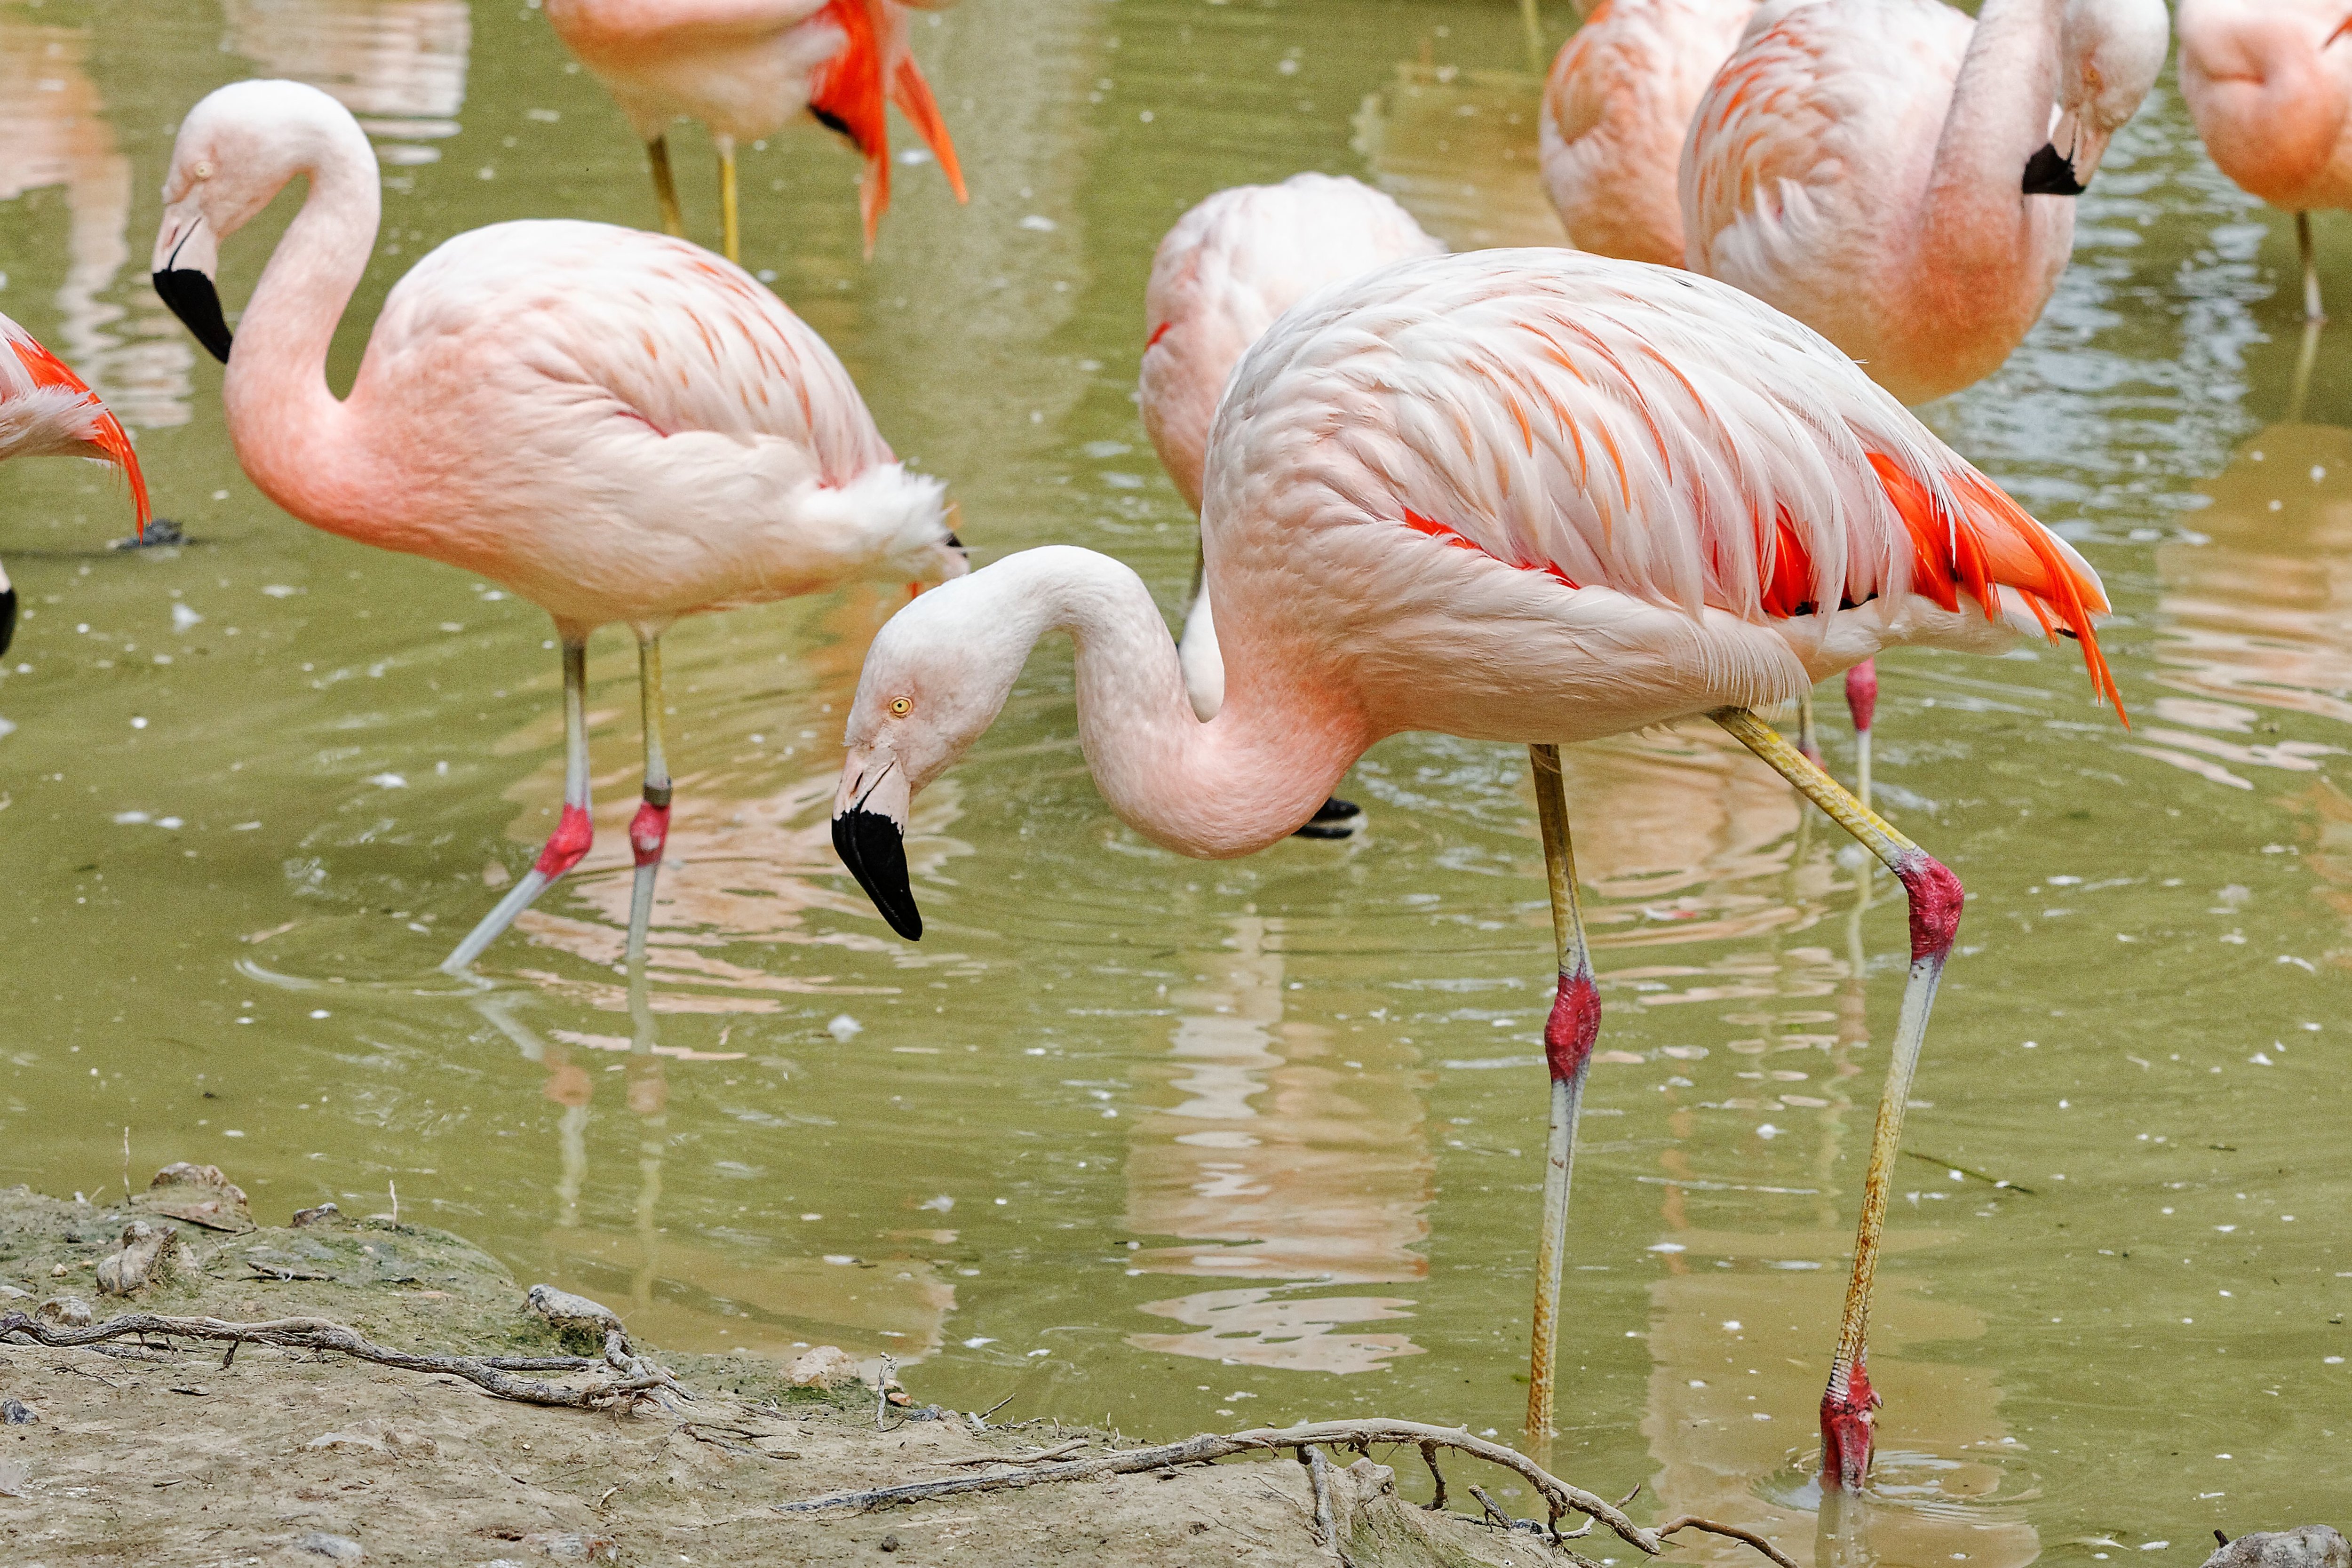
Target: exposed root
[1693,1521]
[1318,1480]
[1058,1450]
[1429,1458]
[636,1379]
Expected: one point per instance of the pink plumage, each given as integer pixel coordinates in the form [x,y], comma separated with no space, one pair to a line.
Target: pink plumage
[1616,108]
[2269,83]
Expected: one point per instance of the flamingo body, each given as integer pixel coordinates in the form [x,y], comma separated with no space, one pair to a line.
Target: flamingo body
[1900,178]
[2269,85]
[1616,109]
[45,411]
[1221,277]
[747,67]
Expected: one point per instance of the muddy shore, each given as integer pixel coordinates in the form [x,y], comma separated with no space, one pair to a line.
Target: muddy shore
[131,1453]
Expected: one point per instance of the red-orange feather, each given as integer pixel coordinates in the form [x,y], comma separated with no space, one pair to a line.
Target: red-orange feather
[107,434]
[849,91]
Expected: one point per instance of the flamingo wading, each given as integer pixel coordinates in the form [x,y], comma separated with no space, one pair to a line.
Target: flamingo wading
[2269,83]
[1512,495]
[747,67]
[617,425]
[45,411]
[1231,263]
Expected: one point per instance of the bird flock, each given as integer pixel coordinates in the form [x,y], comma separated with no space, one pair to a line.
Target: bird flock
[1534,495]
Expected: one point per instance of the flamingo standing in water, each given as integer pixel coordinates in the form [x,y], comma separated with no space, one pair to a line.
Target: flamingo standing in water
[46,411]
[745,69]
[1220,277]
[1616,109]
[617,425]
[2269,83]
[1902,179]
[1511,495]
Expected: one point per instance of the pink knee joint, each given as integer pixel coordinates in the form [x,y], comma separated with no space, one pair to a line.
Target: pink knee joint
[649,829]
[1936,898]
[573,833]
[1574,1025]
[1861,694]
[1846,1422]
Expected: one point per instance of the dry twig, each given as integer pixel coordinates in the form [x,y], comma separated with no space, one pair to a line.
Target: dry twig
[1039,1457]
[637,1378]
[1693,1521]
[1318,1479]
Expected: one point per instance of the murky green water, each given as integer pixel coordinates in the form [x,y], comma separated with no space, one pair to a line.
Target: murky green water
[1183,1144]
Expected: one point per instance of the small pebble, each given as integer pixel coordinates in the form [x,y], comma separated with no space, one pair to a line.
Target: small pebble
[334,1548]
[889,1543]
[17,1413]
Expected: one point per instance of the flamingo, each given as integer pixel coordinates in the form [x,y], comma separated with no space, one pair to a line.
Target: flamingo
[617,425]
[2270,92]
[1616,108]
[745,69]
[45,411]
[1513,495]
[1230,266]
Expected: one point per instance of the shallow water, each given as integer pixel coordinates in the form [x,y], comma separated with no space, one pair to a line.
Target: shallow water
[1188,1144]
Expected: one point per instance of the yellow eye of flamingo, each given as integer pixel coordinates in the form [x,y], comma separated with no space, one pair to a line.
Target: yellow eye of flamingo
[901,706]
[204,171]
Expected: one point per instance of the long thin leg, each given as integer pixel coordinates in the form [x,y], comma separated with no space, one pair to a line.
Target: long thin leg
[1935,896]
[1569,1033]
[2307,358]
[649,830]
[1862,701]
[2310,310]
[665,187]
[1533,22]
[730,235]
[572,832]
[1808,742]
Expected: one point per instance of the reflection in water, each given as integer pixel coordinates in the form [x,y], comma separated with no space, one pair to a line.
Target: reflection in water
[1282,1161]
[54,132]
[398,65]
[696,1297]
[1457,150]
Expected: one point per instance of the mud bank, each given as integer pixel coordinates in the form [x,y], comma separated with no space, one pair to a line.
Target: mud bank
[130,1453]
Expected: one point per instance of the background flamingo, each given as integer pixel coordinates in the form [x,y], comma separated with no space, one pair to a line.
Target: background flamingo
[2269,83]
[46,411]
[745,69]
[1523,494]
[615,425]
[1616,109]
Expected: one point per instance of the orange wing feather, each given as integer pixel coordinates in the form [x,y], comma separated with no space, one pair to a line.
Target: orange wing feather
[106,435]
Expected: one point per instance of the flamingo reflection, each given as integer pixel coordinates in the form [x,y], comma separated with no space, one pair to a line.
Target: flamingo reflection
[399,65]
[1457,149]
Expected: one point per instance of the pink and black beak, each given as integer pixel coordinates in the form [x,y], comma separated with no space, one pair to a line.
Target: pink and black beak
[869,834]
[187,254]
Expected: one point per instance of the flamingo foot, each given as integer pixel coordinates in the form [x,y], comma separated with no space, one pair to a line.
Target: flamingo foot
[1847,1418]
[1334,818]
[573,833]
[649,831]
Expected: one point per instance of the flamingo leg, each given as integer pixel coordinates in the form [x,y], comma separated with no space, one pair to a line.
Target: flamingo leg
[1569,1033]
[729,230]
[572,832]
[1934,898]
[1807,740]
[665,187]
[649,830]
[2310,310]
[1862,701]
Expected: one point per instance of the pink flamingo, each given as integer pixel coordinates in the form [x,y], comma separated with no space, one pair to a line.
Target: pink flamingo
[617,425]
[1512,495]
[745,69]
[2270,92]
[1229,267]
[1616,109]
[46,411]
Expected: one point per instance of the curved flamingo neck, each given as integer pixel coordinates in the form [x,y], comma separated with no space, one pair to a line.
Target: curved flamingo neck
[1231,786]
[288,427]
[1975,212]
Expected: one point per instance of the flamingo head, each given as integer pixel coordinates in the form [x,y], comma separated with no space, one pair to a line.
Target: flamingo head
[2109,54]
[935,678]
[237,150]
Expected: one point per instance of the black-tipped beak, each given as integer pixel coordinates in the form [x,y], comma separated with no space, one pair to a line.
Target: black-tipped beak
[2050,173]
[192,298]
[875,850]
[8,617]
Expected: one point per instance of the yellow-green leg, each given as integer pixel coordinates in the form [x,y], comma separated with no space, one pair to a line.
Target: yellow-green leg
[1569,1033]
[730,229]
[665,187]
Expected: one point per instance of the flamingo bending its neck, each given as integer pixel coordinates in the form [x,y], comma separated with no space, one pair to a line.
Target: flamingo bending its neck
[745,69]
[45,411]
[2269,83]
[1221,277]
[1901,179]
[1616,109]
[617,425]
[1511,495]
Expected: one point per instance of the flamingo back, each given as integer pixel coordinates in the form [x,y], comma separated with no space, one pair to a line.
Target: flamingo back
[1604,424]
[46,410]
[2269,84]
[1229,267]
[1616,108]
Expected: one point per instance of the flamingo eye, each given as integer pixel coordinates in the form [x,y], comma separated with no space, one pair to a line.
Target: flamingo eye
[204,171]
[901,706]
